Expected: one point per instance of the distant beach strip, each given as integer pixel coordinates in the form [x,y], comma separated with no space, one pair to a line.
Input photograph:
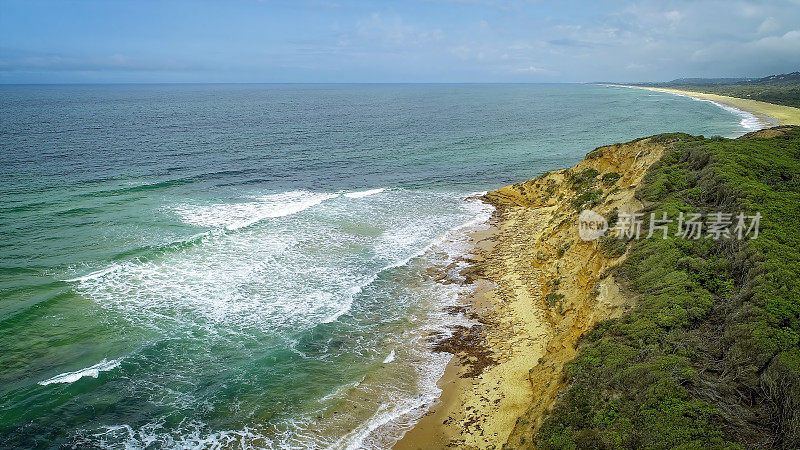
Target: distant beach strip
[768,113]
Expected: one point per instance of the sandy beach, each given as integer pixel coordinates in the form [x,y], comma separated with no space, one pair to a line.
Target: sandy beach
[537,288]
[770,114]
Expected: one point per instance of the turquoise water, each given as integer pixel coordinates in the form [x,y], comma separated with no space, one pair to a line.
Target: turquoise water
[249,265]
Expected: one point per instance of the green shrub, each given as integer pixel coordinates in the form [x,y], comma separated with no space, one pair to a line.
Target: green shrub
[596,153]
[553,298]
[611,247]
[588,200]
[609,179]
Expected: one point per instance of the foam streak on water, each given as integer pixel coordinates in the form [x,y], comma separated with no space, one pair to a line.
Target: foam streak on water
[234,216]
[92,371]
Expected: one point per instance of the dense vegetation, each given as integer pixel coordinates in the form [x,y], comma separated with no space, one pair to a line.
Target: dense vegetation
[779,89]
[710,355]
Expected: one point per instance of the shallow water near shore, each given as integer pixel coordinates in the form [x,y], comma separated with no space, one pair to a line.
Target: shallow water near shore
[233,265]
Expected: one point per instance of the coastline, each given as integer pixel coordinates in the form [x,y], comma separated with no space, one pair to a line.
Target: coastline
[530,340]
[769,114]
[537,289]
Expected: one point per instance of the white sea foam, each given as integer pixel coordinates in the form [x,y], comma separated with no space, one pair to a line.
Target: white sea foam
[393,418]
[93,275]
[363,437]
[409,238]
[361,194]
[287,275]
[92,371]
[233,216]
[191,436]
[748,120]
[401,410]
[293,275]
[207,285]
[412,236]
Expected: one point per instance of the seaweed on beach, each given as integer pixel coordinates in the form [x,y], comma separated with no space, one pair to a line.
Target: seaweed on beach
[468,344]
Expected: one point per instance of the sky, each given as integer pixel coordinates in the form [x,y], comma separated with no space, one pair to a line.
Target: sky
[310,41]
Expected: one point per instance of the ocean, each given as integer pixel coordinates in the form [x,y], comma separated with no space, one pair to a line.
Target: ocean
[229,266]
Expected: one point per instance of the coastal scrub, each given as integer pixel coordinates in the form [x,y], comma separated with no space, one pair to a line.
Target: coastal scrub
[710,356]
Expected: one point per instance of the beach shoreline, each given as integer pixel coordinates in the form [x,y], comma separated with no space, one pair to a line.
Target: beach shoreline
[431,431]
[537,288]
[769,114]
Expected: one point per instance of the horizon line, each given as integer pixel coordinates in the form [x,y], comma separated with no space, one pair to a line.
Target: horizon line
[301,82]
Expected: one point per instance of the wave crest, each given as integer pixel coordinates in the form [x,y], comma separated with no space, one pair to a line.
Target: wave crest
[233,216]
[91,371]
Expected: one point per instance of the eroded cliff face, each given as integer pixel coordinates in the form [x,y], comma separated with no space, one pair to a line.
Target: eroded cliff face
[550,286]
[537,288]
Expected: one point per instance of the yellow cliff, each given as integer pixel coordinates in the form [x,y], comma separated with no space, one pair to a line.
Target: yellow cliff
[538,288]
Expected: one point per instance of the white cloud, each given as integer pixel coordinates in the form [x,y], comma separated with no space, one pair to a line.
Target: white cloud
[530,69]
[769,25]
[788,43]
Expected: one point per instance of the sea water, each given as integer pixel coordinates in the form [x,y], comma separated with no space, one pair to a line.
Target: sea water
[255,265]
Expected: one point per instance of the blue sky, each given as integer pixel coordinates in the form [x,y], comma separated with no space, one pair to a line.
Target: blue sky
[402,41]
